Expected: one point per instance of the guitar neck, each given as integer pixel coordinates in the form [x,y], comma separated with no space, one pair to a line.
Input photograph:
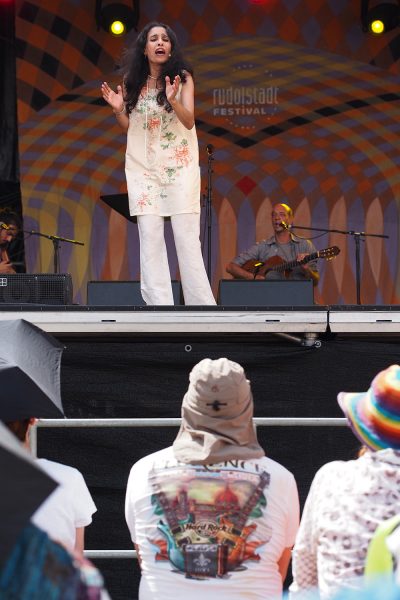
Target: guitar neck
[252,501]
[294,263]
[167,508]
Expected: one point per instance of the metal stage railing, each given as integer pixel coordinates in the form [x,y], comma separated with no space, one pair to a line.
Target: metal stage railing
[258,421]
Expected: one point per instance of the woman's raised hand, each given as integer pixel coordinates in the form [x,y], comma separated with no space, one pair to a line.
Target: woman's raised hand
[171,89]
[114,99]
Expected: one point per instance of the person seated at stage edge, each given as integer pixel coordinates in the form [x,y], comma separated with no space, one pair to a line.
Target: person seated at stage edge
[10,226]
[282,247]
[212,516]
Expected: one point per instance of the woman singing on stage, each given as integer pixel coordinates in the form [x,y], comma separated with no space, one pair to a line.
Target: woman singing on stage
[155,106]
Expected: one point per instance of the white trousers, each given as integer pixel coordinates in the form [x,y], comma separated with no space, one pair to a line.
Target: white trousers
[155,275]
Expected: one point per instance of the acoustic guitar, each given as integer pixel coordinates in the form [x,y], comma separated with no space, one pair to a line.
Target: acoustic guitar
[276,263]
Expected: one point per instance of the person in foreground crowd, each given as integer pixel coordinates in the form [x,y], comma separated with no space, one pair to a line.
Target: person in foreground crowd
[41,569]
[349,500]
[69,509]
[32,566]
[212,516]
[156,109]
[281,248]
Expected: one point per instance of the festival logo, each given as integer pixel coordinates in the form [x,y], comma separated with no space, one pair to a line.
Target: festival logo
[254,97]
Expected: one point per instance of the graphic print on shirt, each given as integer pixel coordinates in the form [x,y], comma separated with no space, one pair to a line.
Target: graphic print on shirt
[207,516]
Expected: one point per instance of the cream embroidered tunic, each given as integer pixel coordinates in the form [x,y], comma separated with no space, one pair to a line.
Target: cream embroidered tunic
[162,161]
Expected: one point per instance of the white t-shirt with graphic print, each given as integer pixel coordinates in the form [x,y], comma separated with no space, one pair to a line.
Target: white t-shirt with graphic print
[216,530]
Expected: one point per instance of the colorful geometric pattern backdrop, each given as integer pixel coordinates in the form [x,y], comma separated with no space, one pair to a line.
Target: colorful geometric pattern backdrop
[300,105]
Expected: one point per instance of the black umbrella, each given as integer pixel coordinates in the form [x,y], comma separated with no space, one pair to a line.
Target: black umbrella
[30,362]
[24,486]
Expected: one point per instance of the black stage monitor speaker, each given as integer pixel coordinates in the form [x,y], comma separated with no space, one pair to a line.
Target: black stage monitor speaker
[36,288]
[240,292]
[122,293]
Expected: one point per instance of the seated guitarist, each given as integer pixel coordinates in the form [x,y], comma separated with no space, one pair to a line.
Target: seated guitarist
[282,247]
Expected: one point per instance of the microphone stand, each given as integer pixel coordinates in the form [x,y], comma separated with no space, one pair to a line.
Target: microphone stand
[208,200]
[358,236]
[56,245]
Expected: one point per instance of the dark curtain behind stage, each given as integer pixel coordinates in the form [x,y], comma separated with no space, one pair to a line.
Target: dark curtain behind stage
[149,378]
[10,195]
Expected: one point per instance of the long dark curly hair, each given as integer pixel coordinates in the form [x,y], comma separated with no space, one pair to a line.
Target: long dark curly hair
[135,67]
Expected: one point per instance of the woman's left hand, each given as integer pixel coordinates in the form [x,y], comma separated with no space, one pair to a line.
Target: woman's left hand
[171,89]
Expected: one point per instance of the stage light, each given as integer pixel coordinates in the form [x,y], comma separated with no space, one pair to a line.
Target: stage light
[382,17]
[117,28]
[377,26]
[117,18]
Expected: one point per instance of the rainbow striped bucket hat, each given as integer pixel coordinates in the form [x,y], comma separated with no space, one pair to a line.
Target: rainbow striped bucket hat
[374,416]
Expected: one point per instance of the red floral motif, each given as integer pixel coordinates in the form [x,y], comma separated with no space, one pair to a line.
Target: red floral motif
[143,200]
[153,123]
[182,155]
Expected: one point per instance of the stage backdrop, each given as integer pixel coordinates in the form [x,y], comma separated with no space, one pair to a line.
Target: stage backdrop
[300,105]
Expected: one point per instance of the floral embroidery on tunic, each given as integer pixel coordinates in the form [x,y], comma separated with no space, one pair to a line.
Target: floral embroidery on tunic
[162,161]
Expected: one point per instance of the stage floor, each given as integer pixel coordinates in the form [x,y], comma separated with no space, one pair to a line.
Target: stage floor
[206,320]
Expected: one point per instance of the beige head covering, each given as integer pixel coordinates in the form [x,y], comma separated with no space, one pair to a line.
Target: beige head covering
[217,412]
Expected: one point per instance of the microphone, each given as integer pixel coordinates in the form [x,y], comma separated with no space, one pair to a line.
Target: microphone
[284,225]
[210,148]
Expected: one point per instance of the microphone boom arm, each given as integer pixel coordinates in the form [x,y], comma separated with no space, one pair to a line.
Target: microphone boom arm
[56,239]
